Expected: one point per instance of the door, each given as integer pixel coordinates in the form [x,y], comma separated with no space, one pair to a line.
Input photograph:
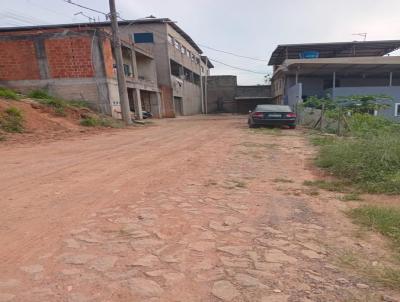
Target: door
[178,105]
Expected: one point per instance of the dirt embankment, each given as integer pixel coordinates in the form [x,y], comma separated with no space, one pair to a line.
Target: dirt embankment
[41,123]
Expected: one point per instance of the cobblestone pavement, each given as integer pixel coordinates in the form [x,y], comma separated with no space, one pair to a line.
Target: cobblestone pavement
[193,209]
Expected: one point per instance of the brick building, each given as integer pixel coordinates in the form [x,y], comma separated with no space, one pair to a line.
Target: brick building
[76,62]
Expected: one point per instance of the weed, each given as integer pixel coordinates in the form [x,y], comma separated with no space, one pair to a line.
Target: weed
[322,140]
[385,220]
[384,275]
[12,120]
[95,121]
[333,186]
[283,180]
[8,94]
[39,94]
[351,197]
[312,192]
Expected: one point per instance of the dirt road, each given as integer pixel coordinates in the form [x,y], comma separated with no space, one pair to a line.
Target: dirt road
[193,209]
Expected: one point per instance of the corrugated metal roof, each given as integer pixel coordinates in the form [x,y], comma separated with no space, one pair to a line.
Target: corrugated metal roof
[107,23]
[334,50]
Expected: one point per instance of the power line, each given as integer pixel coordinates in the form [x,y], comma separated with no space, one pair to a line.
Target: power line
[85,7]
[238,68]
[233,54]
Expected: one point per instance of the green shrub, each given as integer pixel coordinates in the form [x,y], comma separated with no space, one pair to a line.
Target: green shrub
[372,163]
[385,220]
[90,121]
[39,94]
[12,120]
[95,121]
[77,103]
[365,125]
[8,94]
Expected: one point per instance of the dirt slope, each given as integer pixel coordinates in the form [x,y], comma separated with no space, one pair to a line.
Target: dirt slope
[42,124]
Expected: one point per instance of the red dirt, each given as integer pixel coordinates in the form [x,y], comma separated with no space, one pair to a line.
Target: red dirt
[191,209]
[43,125]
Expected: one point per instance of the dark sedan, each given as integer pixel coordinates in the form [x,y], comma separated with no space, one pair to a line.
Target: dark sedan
[272,115]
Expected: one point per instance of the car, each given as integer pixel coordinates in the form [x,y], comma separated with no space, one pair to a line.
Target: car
[272,115]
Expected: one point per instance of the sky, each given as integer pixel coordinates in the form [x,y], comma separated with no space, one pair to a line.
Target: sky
[251,28]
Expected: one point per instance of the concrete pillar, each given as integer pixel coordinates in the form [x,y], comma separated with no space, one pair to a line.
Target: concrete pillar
[137,100]
[134,65]
[333,85]
[390,79]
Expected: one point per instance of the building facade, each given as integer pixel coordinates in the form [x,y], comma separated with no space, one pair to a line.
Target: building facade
[162,64]
[337,70]
[179,64]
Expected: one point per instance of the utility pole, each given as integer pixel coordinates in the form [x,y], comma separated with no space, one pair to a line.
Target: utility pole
[205,88]
[123,92]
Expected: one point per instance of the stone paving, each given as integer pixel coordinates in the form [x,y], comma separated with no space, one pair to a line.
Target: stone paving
[235,235]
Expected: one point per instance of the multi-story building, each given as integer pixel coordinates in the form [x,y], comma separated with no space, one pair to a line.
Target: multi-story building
[337,70]
[178,61]
[163,65]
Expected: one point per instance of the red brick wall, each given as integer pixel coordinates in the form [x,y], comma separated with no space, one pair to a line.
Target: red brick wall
[70,57]
[18,61]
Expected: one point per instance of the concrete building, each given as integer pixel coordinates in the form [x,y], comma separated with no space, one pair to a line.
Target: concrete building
[225,95]
[178,61]
[337,70]
[163,65]
[75,62]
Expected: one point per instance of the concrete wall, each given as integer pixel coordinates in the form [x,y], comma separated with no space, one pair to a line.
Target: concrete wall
[294,95]
[254,91]
[221,92]
[393,92]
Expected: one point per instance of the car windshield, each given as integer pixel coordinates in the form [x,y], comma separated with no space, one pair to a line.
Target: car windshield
[273,108]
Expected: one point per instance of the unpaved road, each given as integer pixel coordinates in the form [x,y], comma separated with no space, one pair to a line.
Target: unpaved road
[193,209]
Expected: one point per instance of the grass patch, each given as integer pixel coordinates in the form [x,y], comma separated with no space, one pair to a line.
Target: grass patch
[332,186]
[383,275]
[350,197]
[282,180]
[59,105]
[95,121]
[385,220]
[267,130]
[12,120]
[372,164]
[8,94]
[322,140]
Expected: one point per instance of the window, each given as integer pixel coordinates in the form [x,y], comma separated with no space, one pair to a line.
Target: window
[196,79]
[397,109]
[188,53]
[175,69]
[202,69]
[143,38]
[183,49]
[170,40]
[177,44]
[188,74]
[192,57]
[127,70]
[197,61]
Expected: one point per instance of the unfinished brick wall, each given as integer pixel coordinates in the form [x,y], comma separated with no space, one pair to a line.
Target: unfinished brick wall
[18,61]
[70,57]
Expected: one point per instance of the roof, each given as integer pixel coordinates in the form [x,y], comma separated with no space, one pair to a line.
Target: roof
[334,50]
[342,66]
[205,59]
[108,23]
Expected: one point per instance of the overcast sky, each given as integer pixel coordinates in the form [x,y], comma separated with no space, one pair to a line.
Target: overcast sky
[250,28]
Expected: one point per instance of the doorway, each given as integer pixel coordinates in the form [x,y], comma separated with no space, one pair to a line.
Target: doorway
[178,105]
